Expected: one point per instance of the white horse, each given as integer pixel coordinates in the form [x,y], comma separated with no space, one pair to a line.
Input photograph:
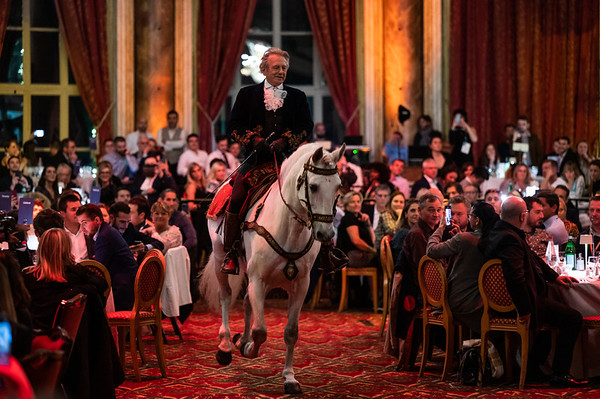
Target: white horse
[298,217]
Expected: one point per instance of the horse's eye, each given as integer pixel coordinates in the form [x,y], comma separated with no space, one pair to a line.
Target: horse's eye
[314,188]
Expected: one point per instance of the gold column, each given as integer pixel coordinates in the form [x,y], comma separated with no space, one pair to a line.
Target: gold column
[403,62]
[154,60]
[124,76]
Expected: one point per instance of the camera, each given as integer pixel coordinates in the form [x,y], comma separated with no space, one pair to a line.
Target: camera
[7,224]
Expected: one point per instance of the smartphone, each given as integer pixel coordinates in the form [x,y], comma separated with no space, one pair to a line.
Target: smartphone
[457,118]
[5,340]
[18,173]
[448,216]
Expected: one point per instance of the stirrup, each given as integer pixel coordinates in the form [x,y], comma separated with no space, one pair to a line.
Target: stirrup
[231,263]
[332,259]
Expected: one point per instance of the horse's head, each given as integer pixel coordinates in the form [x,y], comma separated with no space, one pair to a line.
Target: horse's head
[318,187]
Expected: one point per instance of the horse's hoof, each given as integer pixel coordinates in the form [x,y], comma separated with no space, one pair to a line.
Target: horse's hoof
[292,388]
[223,358]
[236,338]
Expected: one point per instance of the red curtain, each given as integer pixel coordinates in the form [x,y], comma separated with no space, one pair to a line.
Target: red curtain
[4,13]
[83,26]
[222,29]
[333,27]
[533,57]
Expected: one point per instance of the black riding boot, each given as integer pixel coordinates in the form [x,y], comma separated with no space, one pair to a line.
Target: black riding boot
[231,227]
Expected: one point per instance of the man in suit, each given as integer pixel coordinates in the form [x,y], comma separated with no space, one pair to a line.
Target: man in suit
[269,110]
[527,278]
[110,249]
[153,179]
[382,197]
[172,138]
[139,243]
[430,171]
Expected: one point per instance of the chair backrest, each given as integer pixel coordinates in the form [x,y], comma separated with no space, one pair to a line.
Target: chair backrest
[492,287]
[69,314]
[433,282]
[149,283]
[153,252]
[387,261]
[101,271]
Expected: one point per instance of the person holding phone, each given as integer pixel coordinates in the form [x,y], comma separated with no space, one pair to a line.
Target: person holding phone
[462,138]
[15,180]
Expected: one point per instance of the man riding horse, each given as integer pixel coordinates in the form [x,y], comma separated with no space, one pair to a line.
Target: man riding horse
[271,119]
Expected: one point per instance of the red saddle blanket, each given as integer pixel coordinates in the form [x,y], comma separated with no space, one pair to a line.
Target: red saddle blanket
[259,179]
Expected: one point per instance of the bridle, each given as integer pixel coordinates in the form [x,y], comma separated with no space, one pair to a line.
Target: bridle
[303,181]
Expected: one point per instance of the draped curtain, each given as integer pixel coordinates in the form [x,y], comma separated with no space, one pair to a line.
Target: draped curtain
[533,57]
[83,27]
[222,29]
[333,27]
[4,13]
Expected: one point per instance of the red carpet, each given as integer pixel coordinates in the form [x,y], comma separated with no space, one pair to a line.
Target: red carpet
[337,356]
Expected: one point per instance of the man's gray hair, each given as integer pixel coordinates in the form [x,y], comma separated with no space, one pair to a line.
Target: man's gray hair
[429,197]
[273,51]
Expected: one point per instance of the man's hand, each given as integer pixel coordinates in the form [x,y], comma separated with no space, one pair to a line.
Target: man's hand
[525,319]
[138,248]
[453,229]
[566,280]
[260,144]
[278,145]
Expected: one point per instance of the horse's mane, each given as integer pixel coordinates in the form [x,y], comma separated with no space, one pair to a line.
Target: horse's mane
[300,156]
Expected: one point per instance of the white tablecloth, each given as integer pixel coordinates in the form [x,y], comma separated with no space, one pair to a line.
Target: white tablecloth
[585,297]
[176,288]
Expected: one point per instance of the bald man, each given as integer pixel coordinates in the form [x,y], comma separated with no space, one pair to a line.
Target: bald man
[527,278]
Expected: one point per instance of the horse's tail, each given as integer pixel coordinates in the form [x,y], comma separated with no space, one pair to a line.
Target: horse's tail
[209,285]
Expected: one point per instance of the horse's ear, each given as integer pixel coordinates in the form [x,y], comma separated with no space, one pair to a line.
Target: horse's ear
[318,154]
[337,154]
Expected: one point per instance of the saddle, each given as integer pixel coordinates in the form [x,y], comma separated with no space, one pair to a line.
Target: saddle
[259,179]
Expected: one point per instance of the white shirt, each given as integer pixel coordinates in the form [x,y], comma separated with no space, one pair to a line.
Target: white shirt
[558,182]
[188,157]
[232,161]
[147,183]
[376,215]
[556,228]
[432,182]
[78,245]
[132,139]
[171,144]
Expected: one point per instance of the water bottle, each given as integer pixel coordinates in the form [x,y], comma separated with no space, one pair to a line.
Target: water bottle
[570,254]
[551,258]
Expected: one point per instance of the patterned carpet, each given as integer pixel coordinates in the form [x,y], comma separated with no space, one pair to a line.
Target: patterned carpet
[337,356]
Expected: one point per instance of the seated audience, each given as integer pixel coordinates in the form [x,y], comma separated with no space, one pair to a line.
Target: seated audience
[109,146]
[351,174]
[169,235]
[466,170]
[489,159]
[428,181]
[57,277]
[104,209]
[536,236]
[179,219]
[107,182]
[492,197]
[140,211]
[382,198]
[594,230]
[516,179]
[143,148]
[139,243]
[15,180]
[123,195]
[193,154]
[11,149]
[527,278]
[195,187]
[133,138]
[222,153]
[575,181]
[460,207]
[409,217]
[476,178]
[441,158]
[355,234]
[584,159]
[396,169]
[216,175]
[68,205]
[152,178]
[562,153]
[571,227]
[48,183]
[554,226]
[377,174]
[471,193]
[68,156]
[448,175]
[389,220]
[46,220]
[466,259]
[110,249]
[64,175]
[550,173]
[452,189]
[124,165]
[572,211]
[594,187]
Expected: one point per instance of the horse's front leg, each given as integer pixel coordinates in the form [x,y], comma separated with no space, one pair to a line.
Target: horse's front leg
[256,296]
[240,340]
[290,336]
[225,347]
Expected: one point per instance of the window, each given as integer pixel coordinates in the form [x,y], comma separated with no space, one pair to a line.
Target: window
[284,24]
[37,90]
